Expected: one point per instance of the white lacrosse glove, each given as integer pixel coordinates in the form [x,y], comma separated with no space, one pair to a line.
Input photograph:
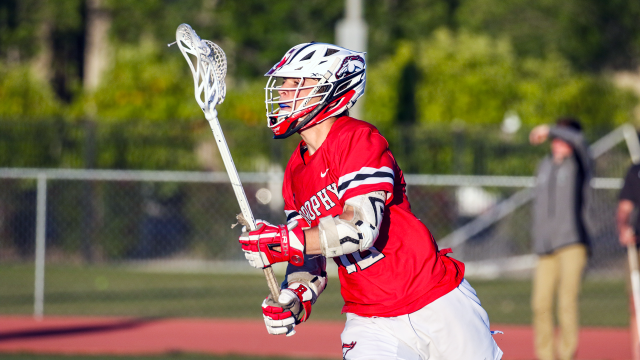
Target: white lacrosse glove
[293,307]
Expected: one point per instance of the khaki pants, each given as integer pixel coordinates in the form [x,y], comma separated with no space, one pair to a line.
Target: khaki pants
[560,271]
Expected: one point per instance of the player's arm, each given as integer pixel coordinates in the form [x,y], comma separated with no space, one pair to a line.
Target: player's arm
[627,198]
[365,168]
[269,244]
[626,234]
[301,289]
[356,229]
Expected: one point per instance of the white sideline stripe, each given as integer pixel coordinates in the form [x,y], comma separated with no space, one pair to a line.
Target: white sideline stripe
[262,177]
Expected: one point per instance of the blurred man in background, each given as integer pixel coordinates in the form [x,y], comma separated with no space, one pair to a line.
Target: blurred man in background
[559,234]
[628,226]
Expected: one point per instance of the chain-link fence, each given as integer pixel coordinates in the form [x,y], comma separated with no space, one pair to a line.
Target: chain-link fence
[149,243]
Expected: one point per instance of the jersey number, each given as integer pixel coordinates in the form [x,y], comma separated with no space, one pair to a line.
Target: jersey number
[363,259]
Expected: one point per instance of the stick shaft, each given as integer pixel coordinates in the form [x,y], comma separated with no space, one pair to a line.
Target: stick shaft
[231,171]
[239,191]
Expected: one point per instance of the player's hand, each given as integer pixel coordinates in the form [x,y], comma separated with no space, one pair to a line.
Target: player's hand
[270,244]
[539,134]
[627,237]
[293,307]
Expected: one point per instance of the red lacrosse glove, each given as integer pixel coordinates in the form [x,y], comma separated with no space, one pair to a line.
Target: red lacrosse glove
[270,244]
[292,308]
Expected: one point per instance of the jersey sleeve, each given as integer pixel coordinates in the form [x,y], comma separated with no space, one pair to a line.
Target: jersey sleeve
[290,210]
[365,165]
[631,188]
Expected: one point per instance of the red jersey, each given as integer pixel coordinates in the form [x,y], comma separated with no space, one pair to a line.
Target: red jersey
[403,271]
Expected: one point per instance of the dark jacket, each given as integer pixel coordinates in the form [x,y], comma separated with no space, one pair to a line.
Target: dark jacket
[561,196]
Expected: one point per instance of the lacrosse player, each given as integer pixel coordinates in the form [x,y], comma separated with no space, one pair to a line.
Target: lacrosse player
[345,199]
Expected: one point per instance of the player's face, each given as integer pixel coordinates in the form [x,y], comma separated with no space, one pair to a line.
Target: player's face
[560,149]
[288,90]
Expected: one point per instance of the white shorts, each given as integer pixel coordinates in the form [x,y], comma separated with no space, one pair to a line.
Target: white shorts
[454,327]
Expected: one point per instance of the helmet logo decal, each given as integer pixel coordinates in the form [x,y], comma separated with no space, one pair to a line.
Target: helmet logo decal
[282,62]
[350,64]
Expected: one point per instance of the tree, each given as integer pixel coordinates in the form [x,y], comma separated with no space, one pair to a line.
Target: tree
[592,34]
[477,79]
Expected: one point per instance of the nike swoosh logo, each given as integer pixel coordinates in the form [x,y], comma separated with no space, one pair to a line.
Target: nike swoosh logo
[323,174]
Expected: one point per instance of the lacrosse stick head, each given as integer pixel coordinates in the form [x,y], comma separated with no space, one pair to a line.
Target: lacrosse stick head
[208,65]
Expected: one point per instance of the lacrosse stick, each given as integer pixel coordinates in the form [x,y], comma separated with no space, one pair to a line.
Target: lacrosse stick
[633,144]
[208,65]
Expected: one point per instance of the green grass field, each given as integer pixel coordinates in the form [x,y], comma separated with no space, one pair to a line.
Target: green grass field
[114,291]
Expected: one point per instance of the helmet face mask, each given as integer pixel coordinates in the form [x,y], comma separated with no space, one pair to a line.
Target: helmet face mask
[300,98]
[294,104]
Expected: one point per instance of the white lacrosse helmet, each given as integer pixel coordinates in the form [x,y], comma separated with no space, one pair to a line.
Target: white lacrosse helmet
[341,80]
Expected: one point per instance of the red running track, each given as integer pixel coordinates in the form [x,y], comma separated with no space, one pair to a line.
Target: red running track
[315,339]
